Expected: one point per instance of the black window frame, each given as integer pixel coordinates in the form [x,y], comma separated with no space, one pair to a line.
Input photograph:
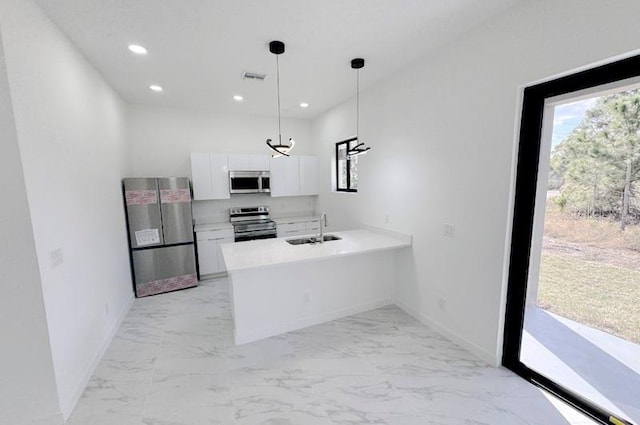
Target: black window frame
[347,189]
[523,219]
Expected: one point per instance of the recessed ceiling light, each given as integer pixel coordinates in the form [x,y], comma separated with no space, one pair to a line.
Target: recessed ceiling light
[304,105]
[155,88]
[238,98]
[137,49]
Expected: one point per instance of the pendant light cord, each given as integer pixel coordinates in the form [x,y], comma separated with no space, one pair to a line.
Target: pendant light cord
[278,84]
[358,105]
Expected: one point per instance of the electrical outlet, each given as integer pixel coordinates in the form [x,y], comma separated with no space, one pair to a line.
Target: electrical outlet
[442,303]
[56,257]
[449,230]
[106,309]
[386,218]
[306,298]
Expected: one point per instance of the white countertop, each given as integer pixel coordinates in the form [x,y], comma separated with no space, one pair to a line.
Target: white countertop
[297,219]
[270,252]
[203,227]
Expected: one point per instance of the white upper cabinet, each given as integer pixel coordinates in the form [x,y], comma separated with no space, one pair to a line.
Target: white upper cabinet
[210,176]
[308,171]
[220,175]
[201,176]
[285,176]
[241,162]
[290,176]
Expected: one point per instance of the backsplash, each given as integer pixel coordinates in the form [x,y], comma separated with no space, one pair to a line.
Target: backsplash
[218,210]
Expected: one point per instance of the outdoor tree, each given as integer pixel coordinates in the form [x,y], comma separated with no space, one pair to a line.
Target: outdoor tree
[597,166]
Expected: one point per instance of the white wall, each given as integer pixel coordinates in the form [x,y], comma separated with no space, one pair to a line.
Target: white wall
[71,131]
[162,140]
[443,136]
[27,382]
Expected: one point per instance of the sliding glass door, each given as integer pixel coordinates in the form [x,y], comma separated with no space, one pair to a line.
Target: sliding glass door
[573,304]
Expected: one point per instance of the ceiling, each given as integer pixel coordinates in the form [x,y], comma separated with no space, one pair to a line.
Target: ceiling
[198,49]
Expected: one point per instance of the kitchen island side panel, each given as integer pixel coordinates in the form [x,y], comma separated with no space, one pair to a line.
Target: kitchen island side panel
[274,300]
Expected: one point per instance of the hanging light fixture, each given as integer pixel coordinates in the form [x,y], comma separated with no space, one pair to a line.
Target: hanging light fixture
[281,149]
[359,148]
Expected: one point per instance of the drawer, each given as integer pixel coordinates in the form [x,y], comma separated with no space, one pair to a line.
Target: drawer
[313,226]
[289,234]
[291,227]
[214,234]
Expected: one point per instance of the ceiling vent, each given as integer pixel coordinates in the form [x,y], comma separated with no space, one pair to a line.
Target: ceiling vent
[253,76]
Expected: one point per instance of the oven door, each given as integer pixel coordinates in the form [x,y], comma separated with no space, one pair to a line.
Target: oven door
[244,182]
[266,234]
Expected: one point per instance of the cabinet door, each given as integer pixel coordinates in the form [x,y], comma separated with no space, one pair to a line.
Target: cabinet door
[259,162]
[285,177]
[312,227]
[221,266]
[308,169]
[208,256]
[248,162]
[219,176]
[201,176]
[291,229]
[239,162]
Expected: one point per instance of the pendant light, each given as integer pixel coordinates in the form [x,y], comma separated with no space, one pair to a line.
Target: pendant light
[359,148]
[281,149]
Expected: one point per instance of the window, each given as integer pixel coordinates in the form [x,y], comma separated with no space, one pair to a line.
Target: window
[578,170]
[346,168]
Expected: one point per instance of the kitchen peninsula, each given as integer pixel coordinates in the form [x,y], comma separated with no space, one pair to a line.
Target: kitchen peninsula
[277,287]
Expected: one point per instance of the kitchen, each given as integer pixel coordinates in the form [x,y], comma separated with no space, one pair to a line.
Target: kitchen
[70,136]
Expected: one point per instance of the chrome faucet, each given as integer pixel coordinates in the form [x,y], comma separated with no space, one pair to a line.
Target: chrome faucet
[320,237]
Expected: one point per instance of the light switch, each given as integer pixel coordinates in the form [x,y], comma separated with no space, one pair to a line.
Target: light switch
[56,257]
[449,230]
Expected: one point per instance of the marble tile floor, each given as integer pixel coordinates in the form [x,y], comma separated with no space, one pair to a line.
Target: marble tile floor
[173,362]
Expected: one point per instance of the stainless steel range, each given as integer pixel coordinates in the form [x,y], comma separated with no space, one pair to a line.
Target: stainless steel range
[251,223]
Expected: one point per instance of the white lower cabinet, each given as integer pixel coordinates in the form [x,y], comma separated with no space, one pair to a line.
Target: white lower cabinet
[209,253]
[291,229]
[297,228]
[312,226]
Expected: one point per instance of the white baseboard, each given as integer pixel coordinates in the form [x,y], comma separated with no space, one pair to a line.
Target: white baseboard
[67,406]
[212,276]
[443,330]
[45,420]
[257,334]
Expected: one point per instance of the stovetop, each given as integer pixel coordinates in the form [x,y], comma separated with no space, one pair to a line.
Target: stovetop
[252,223]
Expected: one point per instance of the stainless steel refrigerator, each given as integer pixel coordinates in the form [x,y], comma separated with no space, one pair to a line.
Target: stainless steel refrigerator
[160,234]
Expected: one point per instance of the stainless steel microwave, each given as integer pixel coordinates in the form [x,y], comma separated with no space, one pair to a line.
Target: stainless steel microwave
[249,181]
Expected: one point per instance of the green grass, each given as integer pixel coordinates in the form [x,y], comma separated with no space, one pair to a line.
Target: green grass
[596,294]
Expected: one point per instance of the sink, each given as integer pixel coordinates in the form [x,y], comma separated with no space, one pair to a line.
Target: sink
[312,240]
[300,241]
